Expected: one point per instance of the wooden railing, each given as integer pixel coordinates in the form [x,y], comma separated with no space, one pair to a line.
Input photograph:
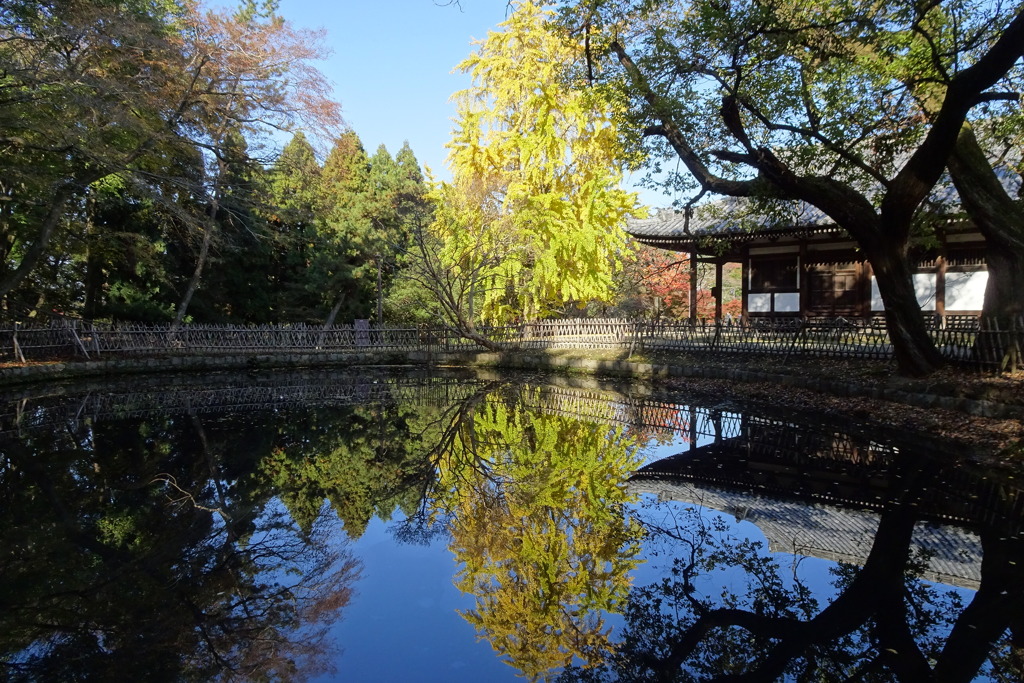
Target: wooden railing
[964,340]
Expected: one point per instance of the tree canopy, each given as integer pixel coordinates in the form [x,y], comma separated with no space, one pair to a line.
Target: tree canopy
[531,221]
[817,103]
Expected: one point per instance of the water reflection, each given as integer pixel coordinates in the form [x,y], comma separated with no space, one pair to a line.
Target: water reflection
[136,548]
[764,620]
[535,504]
[229,508]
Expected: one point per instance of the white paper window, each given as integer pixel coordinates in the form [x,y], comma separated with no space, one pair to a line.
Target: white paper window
[759,303]
[925,286]
[876,296]
[966,291]
[787,303]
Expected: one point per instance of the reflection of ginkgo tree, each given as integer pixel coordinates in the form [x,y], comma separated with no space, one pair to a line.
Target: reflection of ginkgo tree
[536,504]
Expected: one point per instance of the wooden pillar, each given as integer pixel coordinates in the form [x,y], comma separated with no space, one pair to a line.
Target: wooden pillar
[745,282]
[718,289]
[940,286]
[693,287]
[864,274]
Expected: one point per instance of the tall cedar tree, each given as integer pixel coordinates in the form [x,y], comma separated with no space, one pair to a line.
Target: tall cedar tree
[342,268]
[294,203]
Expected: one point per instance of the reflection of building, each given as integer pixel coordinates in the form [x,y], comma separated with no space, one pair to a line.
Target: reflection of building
[819,491]
[828,532]
[812,268]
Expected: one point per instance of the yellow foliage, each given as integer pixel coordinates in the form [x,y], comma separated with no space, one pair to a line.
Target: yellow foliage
[539,527]
[537,166]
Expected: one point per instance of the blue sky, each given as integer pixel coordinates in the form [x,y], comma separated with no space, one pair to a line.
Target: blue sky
[392,65]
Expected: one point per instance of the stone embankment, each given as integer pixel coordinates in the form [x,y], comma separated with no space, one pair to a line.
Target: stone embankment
[882,390]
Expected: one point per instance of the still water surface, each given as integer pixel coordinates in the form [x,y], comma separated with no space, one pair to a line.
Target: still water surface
[376,526]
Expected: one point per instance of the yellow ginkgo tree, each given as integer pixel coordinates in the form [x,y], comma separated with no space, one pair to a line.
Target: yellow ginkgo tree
[532,218]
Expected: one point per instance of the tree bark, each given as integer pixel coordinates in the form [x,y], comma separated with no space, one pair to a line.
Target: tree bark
[912,346]
[999,218]
[47,227]
[197,274]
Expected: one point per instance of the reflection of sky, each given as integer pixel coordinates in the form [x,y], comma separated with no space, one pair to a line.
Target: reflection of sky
[660,552]
[402,625]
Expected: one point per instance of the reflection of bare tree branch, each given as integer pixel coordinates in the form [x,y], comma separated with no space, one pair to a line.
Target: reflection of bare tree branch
[185,497]
[455,422]
[214,474]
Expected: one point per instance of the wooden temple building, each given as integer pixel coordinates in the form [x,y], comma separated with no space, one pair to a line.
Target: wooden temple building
[812,268]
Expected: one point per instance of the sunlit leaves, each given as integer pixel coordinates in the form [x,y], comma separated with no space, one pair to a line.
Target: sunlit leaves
[539,527]
[536,163]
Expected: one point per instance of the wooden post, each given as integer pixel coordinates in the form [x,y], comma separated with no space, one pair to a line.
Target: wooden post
[940,286]
[95,339]
[718,289]
[745,283]
[803,282]
[693,287]
[17,347]
[78,341]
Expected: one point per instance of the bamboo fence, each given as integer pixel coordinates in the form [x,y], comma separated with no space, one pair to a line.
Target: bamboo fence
[965,340]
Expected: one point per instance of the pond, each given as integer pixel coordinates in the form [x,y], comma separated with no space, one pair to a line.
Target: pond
[376,525]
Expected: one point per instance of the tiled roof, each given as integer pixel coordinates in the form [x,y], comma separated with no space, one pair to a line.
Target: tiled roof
[730,218]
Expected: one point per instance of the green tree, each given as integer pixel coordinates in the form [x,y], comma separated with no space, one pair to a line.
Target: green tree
[531,220]
[151,92]
[342,270]
[785,102]
[408,300]
[292,206]
[128,275]
[985,155]
[412,204]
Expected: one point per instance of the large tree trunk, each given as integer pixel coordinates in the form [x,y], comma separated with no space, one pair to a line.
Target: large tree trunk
[1004,293]
[913,347]
[999,218]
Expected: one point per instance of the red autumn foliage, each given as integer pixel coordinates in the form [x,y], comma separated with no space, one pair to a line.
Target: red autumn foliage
[664,276]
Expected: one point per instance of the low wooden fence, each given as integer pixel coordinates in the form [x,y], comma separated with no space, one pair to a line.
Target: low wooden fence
[964,340]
